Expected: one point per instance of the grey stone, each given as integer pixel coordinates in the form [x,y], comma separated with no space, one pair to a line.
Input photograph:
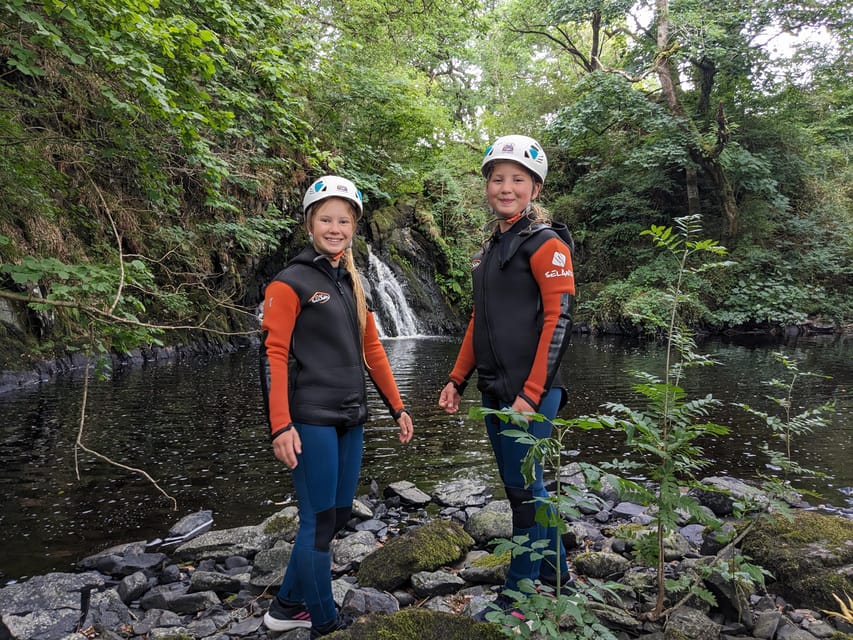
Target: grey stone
[789,631]
[235,562]
[479,567]
[361,509]
[244,627]
[270,564]
[690,623]
[408,493]
[490,523]
[154,619]
[366,600]
[731,595]
[720,493]
[192,525]
[373,526]
[766,623]
[46,607]
[124,560]
[461,493]
[213,581]
[615,616]
[340,589]
[628,510]
[427,584]
[160,596]
[280,526]
[818,628]
[220,544]
[107,611]
[601,564]
[354,548]
[169,633]
[693,533]
[132,587]
[193,602]
[441,604]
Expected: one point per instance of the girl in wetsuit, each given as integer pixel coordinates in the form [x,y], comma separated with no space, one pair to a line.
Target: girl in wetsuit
[320,344]
[523,287]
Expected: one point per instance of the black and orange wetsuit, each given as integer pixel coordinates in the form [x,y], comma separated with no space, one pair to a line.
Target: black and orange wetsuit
[524,289]
[312,366]
[313,375]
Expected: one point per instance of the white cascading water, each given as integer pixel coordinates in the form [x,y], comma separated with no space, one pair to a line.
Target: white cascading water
[394,316]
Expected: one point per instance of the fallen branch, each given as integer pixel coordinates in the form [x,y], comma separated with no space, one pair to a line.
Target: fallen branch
[106,315]
[79,444]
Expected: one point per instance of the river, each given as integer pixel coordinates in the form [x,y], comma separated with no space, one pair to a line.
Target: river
[198,428]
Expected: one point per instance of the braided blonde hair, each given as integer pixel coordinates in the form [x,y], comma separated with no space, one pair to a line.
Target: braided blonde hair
[358,291]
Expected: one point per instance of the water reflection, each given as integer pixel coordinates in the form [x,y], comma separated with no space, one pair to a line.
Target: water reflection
[198,428]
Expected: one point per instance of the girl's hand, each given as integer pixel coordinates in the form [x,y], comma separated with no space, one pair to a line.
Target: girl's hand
[522,406]
[287,446]
[407,429]
[449,398]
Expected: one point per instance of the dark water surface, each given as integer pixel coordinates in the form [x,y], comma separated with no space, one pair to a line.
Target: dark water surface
[198,428]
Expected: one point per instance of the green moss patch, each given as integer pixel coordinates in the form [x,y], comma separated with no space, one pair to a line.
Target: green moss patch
[808,555]
[427,548]
[419,624]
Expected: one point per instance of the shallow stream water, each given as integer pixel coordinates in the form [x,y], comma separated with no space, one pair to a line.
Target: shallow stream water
[198,429]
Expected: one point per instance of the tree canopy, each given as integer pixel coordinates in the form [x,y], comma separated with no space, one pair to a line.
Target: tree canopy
[155,151]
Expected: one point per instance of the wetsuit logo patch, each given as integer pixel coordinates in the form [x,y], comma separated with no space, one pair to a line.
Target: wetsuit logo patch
[559,260]
[319,297]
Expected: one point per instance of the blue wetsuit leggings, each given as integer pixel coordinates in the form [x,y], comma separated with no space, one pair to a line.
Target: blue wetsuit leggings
[325,481]
[509,453]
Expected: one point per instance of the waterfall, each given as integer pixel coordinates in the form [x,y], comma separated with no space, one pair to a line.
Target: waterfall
[394,316]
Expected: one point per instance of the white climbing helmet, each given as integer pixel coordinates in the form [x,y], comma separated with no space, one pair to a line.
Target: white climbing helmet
[521,149]
[333,187]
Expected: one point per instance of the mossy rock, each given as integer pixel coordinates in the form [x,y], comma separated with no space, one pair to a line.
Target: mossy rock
[383,221]
[281,524]
[492,560]
[426,548]
[418,624]
[809,555]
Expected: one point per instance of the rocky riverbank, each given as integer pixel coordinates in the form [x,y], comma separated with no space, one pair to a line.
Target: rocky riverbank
[417,566]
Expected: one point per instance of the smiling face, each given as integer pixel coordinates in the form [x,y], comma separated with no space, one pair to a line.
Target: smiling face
[332,225]
[510,188]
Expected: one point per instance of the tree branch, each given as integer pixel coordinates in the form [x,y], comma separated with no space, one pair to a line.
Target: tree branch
[106,315]
[79,442]
[118,245]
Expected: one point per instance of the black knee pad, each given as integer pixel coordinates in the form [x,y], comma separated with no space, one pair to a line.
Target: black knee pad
[523,507]
[325,530]
[342,516]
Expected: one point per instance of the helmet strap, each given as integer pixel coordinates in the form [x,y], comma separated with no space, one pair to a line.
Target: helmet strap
[329,256]
[518,216]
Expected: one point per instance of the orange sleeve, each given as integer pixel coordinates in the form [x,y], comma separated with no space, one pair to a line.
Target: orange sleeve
[551,266]
[379,369]
[281,307]
[465,361]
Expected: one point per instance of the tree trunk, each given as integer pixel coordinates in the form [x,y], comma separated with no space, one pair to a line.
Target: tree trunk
[664,73]
[727,196]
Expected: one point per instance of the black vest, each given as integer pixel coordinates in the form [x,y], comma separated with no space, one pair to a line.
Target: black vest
[508,314]
[326,376]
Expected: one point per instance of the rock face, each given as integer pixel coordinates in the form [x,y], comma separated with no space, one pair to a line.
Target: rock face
[427,578]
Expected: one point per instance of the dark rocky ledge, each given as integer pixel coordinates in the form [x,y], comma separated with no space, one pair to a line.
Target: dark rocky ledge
[411,566]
